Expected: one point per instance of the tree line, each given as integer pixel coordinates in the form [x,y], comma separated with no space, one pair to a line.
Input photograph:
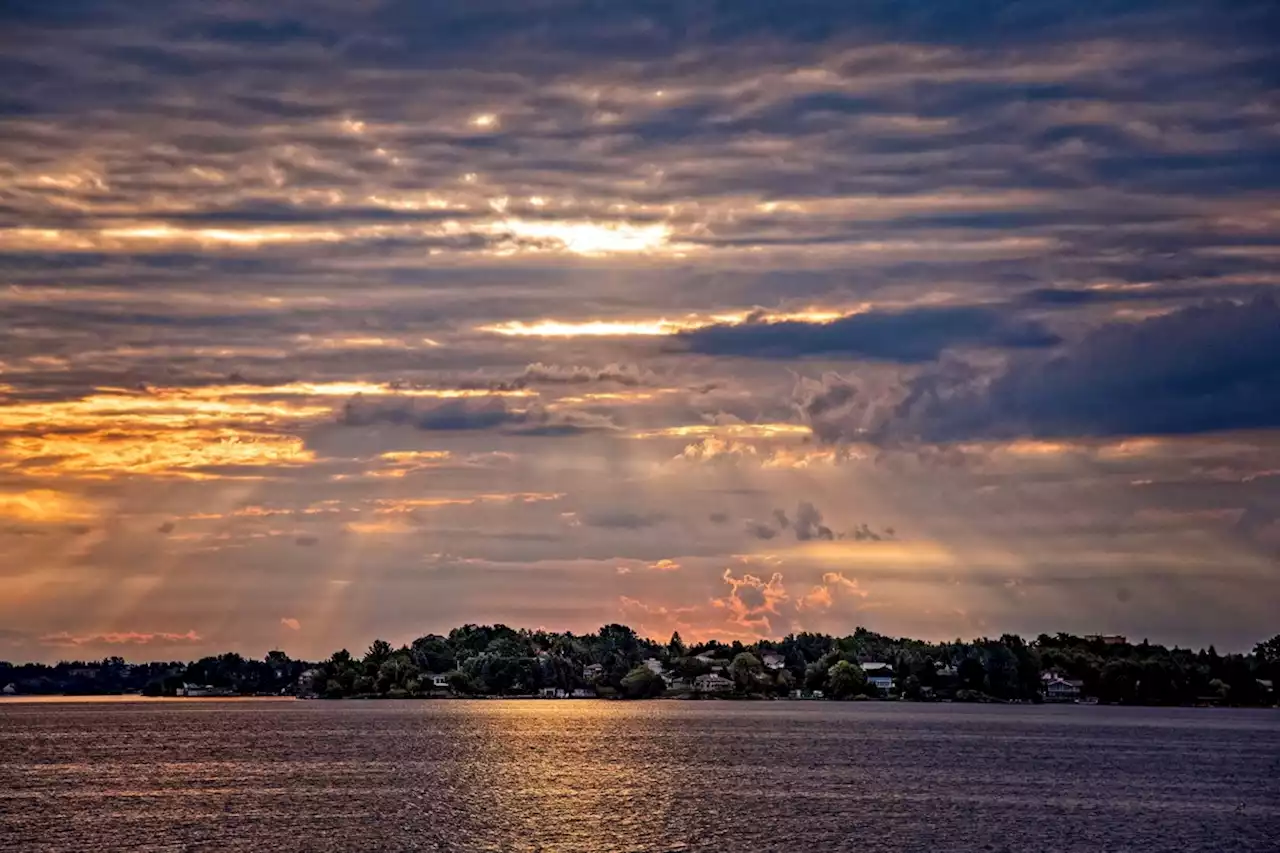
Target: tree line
[496,660]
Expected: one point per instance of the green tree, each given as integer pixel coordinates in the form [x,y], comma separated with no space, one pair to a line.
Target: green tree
[745,670]
[675,647]
[378,653]
[642,683]
[815,676]
[972,674]
[433,653]
[459,682]
[846,679]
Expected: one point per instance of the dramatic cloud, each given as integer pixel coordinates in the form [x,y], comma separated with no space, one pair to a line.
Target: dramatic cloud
[822,596]
[915,335]
[319,308]
[628,375]
[807,525]
[120,638]
[470,414]
[751,601]
[1202,368]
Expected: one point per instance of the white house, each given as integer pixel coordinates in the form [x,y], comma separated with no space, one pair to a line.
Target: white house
[440,680]
[879,675]
[654,665]
[592,671]
[712,683]
[772,661]
[1061,690]
[9,690]
[582,693]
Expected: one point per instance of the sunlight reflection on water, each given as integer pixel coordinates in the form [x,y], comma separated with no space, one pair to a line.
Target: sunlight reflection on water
[590,777]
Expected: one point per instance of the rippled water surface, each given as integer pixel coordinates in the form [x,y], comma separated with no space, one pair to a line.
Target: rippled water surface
[594,776]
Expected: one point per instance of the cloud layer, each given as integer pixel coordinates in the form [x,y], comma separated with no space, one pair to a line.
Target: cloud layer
[328,320]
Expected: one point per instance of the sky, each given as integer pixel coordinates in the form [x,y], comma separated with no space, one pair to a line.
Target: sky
[332,320]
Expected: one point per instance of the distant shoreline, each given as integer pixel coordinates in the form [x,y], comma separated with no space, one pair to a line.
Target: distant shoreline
[137,698]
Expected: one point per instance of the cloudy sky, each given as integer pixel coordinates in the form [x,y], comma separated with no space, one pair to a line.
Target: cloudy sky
[328,320]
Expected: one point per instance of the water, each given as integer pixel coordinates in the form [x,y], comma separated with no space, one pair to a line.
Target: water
[589,777]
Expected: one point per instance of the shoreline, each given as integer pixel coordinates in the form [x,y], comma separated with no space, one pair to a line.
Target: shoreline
[121,699]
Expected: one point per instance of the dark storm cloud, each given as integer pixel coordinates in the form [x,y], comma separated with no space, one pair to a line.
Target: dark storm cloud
[1205,368]
[914,335]
[1200,369]
[807,525]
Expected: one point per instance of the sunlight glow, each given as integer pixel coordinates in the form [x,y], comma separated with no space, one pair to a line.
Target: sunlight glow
[591,238]
[549,328]
[738,430]
[43,506]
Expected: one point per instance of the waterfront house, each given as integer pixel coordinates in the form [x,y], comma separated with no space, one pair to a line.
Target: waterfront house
[772,661]
[592,671]
[710,659]
[1107,639]
[9,690]
[879,675]
[712,683]
[204,690]
[307,681]
[1061,690]
[653,665]
[440,681]
[582,693]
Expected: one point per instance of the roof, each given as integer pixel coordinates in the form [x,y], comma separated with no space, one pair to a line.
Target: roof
[876,667]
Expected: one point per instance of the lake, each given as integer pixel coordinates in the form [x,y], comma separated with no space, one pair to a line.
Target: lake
[594,776]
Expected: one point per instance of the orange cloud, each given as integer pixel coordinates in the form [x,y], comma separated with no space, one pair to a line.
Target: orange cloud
[44,506]
[290,623]
[820,596]
[752,600]
[118,638]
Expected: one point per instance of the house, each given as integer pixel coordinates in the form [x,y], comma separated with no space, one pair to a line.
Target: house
[592,671]
[772,661]
[440,681]
[879,675]
[712,683]
[582,693]
[307,681]
[654,665]
[1061,690]
[1107,639]
[553,693]
[710,659]
[199,691]
[9,690]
